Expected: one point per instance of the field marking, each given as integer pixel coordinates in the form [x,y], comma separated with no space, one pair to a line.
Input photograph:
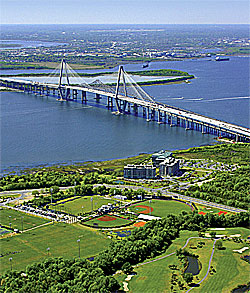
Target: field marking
[37,227]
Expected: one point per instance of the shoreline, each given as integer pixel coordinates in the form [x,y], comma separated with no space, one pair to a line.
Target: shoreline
[112,66]
[11,170]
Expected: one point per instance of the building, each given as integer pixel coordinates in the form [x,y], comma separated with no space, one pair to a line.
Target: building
[160,157]
[170,166]
[139,171]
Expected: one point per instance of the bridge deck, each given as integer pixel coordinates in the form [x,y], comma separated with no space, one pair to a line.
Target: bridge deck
[181,113]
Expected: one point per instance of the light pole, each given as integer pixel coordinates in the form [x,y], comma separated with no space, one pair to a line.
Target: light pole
[22,222]
[48,249]
[10,259]
[92,204]
[78,240]
[51,191]
[82,210]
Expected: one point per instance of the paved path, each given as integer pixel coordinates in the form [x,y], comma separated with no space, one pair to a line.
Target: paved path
[165,256]
[208,269]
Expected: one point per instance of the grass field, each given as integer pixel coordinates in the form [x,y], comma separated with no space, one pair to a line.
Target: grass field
[8,216]
[60,238]
[155,277]
[230,270]
[210,210]
[160,208]
[82,204]
[108,221]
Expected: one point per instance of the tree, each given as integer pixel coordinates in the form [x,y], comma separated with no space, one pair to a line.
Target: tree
[127,268]
[188,277]
[219,244]
[213,234]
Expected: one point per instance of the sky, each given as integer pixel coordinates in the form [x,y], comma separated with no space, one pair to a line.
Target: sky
[125,11]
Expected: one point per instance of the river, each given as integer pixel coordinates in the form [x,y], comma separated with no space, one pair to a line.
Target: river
[36,130]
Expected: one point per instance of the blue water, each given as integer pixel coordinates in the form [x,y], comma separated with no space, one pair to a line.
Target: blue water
[38,130]
[193,266]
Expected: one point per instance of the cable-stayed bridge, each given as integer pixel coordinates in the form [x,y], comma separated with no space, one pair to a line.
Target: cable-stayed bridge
[124,96]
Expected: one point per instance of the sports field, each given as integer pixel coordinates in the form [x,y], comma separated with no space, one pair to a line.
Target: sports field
[60,238]
[82,204]
[16,219]
[203,210]
[160,208]
[108,221]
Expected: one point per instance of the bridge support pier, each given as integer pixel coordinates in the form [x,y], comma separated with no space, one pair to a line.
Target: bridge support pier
[203,129]
[159,117]
[47,91]
[75,94]
[148,114]
[97,98]
[110,103]
[84,97]
[135,106]
[152,114]
[128,107]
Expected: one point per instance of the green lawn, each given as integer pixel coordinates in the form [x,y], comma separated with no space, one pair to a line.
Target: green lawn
[82,204]
[161,208]
[230,270]
[60,238]
[8,216]
[155,277]
[118,222]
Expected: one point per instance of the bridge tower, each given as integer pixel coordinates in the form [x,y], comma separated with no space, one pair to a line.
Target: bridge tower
[64,92]
[121,79]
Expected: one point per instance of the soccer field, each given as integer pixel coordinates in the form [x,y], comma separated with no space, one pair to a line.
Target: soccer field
[30,247]
[160,208]
[16,219]
[82,204]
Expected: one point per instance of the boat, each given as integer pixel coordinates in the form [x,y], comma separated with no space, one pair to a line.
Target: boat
[221,58]
[145,65]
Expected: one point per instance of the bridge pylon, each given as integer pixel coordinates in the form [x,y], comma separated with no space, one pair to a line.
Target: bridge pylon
[64,92]
[120,79]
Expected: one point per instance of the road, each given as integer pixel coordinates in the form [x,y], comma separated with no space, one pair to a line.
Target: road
[26,193]
[179,196]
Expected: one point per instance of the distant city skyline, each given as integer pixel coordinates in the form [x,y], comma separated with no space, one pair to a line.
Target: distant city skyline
[125,11]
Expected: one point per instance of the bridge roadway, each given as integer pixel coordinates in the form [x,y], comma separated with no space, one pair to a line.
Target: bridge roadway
[156,106]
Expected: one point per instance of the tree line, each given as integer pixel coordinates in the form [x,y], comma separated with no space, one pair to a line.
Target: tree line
[227,188]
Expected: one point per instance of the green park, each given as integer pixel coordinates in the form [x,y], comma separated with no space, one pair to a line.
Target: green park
[179,251]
